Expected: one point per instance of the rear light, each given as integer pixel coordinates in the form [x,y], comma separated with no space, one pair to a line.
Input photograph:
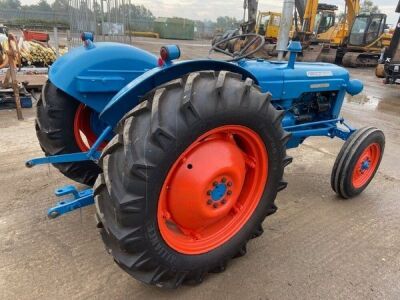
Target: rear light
[164,54]
[169,53]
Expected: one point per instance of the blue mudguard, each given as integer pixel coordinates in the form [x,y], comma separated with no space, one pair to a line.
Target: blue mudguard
[128,97]
[94,73]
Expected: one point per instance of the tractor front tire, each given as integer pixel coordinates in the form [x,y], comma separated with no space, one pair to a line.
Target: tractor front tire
[190,177]
[357,162]
[55,131]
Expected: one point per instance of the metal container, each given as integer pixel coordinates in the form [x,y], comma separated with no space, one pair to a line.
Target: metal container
[174,28]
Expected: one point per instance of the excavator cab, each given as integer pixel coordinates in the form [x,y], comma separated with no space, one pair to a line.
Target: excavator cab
[268,25]
[366,40]
[324,20]
[366,29]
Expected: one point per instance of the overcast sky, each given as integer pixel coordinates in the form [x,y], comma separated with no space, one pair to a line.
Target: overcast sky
[211,9]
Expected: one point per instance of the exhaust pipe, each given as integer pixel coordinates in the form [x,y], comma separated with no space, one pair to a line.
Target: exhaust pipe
[285,25]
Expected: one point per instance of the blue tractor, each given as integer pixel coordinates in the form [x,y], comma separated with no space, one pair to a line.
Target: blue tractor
[186,157]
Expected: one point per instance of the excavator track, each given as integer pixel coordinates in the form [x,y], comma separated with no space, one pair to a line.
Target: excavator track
[360,60]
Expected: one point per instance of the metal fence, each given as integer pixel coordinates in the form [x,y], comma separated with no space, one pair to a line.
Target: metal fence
[113,20]
[27,17]
[204,30]
[110,20]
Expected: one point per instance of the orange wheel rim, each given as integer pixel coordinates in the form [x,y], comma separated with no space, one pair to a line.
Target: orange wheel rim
[212,189]
[83,133]
[366,165]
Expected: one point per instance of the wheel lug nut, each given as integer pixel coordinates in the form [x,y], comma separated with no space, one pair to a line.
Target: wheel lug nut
[223,201]
[209,201]
[223,179]
[230,183]
[229,192]
[215,183]
[208,192]
[215,205]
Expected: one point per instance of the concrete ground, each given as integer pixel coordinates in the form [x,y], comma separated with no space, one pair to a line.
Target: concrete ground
[316,246]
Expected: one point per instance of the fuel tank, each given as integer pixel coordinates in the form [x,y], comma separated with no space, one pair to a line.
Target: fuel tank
[284,82]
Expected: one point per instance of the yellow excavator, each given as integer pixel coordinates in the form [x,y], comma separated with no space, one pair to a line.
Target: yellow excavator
[268,25]
[323,45]
[337,34]
[324,21]
[368,36]
[318,19]
[355,41]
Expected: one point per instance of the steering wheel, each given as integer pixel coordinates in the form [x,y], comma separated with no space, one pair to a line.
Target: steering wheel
[257,39]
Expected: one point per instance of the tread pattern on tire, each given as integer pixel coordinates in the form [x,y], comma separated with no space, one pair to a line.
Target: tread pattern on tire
[54,130]
[159,125]
[341,171]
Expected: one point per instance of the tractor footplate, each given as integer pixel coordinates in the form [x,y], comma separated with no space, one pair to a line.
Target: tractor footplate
[79,200]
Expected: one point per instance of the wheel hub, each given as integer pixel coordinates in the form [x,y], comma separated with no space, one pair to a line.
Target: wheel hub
[198,190]
[218,191]
[87,128]
[212,189]
[366,165]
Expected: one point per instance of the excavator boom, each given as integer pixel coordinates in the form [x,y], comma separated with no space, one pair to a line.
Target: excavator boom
[352,10]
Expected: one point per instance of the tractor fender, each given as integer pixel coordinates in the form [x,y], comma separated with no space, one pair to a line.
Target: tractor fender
[94,73]
[131,95]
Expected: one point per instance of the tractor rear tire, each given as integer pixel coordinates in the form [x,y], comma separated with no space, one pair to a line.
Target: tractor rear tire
[55,131]
[357,162]
[160,138]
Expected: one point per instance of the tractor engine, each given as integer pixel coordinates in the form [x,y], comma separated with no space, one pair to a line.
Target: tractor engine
[313,106]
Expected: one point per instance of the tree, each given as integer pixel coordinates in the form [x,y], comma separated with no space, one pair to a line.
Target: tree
[60,5]
[369,6]
[43,6]
[227,23]
[10,4]
[97,10]
[135,12]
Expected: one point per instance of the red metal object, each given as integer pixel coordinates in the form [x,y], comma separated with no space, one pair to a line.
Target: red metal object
[212,189]
[84,135]
[160,62]
[30,35]
[366,165]
[164,53]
